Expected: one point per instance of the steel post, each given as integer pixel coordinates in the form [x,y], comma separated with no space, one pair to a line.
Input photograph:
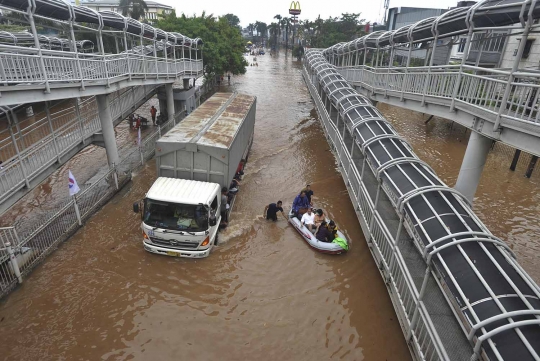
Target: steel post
[530,168]
[126,48]
[19,157]
[14,263]
[53,134]
[473,164]
[30,11]
[515,160]
[74,43]
[526,29]
[107,129]
[77,212]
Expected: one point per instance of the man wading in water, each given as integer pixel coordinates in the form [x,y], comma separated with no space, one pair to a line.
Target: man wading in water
[270,211]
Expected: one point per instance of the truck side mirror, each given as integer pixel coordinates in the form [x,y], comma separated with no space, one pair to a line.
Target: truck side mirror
[212,221]
[136,207]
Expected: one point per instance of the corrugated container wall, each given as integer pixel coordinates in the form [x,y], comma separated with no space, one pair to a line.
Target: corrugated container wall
[210,143]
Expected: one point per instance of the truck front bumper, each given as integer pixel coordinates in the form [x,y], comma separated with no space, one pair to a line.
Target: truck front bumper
[177,252]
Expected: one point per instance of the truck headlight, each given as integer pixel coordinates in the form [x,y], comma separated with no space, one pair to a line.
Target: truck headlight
[205,242]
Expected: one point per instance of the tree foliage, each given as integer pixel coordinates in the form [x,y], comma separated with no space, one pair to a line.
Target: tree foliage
[322,33]
[133,8]
[232,19]
[223,43]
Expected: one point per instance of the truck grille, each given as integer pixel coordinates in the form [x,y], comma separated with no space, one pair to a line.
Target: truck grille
[174,244]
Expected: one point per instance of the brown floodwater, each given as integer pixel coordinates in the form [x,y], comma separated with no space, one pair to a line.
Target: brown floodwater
[507,202]
[262,294]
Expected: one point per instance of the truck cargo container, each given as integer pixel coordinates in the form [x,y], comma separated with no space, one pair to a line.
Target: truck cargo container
[195,160]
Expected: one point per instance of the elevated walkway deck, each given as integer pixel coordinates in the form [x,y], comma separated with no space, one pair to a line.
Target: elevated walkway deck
[476,104]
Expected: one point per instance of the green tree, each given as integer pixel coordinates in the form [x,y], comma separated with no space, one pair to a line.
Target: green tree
[223,43]
[250,28]
[278,32]
[133,8]
[233,20]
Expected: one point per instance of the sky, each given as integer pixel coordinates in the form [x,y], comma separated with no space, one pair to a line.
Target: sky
[251,11]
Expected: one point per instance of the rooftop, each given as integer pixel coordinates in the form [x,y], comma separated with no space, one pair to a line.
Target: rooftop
[182,191]
[215,122]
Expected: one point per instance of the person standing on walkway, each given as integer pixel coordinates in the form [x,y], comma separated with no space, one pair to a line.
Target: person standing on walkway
[229,78]
[153,112]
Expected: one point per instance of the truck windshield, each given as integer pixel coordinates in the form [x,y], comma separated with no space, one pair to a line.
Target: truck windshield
[180,217]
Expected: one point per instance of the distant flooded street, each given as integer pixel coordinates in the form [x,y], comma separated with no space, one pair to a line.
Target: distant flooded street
[262,294]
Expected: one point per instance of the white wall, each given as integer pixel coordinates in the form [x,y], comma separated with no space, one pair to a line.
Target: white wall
[533,60]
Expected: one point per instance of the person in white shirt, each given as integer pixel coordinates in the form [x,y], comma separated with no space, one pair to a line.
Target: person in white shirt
[308,219]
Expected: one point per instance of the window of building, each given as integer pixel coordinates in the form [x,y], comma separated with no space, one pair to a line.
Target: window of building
[461,46]
[527,49]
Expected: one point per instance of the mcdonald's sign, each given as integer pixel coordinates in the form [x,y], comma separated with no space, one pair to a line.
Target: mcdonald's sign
[294,9]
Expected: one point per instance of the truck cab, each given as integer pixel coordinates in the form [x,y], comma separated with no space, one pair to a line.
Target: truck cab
[180,217]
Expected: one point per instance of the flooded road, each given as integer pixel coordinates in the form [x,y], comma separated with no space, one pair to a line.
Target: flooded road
[262,294]
[507,202]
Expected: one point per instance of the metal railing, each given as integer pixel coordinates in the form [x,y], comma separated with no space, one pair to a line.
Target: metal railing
[22,249]
[465,87]
[22,66]
[54,137]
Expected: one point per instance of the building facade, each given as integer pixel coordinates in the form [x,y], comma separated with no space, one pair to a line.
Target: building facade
[154,8]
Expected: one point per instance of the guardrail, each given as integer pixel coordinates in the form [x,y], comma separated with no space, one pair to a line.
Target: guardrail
[22,66]
[459,85]
[21,250]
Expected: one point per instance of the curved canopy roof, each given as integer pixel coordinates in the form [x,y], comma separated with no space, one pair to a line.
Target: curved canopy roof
[479,270]
[485,13]
[60,10]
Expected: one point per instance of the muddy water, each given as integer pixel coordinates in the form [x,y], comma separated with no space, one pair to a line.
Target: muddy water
[507,202]
[262,294]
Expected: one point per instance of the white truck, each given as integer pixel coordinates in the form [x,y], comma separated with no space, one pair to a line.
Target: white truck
[195,160]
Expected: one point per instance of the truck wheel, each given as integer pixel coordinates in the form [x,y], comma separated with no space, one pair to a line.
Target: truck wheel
[216,240]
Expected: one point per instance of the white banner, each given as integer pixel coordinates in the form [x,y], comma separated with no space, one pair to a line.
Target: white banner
[73,186]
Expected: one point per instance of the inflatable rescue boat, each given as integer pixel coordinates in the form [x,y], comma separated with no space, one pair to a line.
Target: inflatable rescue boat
[313,242]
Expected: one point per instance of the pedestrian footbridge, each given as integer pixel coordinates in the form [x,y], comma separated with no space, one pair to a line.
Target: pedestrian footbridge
[491,88]
[458,290]
[108,64]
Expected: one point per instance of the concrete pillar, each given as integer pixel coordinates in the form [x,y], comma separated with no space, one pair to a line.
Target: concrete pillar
[473,164]
[107,129]
[170,101]
[163,106]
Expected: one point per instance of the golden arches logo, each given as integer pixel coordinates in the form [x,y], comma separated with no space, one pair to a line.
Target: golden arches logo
[294,9]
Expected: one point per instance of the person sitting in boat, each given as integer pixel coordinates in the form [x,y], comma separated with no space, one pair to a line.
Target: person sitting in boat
[308,220]
[309,193]
[319,217]
[332,227]
[323,234]
[270,211]
[300,205]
